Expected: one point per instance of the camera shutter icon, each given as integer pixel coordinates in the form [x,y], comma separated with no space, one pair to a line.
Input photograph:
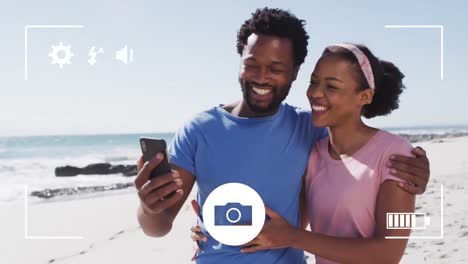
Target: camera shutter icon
[233,214]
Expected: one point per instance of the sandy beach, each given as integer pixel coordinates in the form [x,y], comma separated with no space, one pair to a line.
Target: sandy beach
[107,224]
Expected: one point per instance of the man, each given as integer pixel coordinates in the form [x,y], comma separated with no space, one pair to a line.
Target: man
[259,141]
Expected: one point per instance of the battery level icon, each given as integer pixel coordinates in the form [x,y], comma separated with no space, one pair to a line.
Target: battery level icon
[408,220]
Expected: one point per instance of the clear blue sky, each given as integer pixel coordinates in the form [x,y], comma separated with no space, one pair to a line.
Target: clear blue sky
[185,60]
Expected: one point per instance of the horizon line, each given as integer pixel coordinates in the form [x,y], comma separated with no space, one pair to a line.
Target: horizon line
[172,132]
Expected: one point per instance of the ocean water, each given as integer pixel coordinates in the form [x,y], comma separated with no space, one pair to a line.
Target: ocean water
[32,160]
[429,129]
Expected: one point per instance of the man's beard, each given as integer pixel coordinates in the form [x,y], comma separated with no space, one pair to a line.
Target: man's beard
[278,96]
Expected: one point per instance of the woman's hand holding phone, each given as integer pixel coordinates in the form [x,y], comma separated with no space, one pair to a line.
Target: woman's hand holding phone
[157,193]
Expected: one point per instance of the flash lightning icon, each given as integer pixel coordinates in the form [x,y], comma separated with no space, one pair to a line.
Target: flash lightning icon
[92,55]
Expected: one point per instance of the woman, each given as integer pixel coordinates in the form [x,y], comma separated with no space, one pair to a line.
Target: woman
[349,188]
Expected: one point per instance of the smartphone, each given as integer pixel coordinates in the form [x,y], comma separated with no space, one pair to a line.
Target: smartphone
[150,147]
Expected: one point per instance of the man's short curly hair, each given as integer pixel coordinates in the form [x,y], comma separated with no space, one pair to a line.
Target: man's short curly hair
[276,22]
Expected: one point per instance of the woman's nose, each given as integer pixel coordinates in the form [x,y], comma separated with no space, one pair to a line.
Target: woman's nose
[314,92]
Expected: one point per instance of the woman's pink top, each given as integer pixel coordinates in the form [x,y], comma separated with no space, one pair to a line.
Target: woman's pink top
[342,194]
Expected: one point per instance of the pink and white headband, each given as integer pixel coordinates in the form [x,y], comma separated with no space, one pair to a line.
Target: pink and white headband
[363,62]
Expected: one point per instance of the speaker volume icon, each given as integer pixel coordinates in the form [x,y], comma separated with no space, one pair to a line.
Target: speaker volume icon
[124,55]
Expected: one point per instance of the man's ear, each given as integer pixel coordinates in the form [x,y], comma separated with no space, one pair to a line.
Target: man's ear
[366,96]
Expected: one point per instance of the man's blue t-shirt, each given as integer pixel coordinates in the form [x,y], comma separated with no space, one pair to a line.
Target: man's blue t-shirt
[269,154]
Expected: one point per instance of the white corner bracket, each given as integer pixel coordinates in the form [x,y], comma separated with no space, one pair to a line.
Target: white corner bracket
[441,28]
[426,223]
[26,28]
[27,236]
